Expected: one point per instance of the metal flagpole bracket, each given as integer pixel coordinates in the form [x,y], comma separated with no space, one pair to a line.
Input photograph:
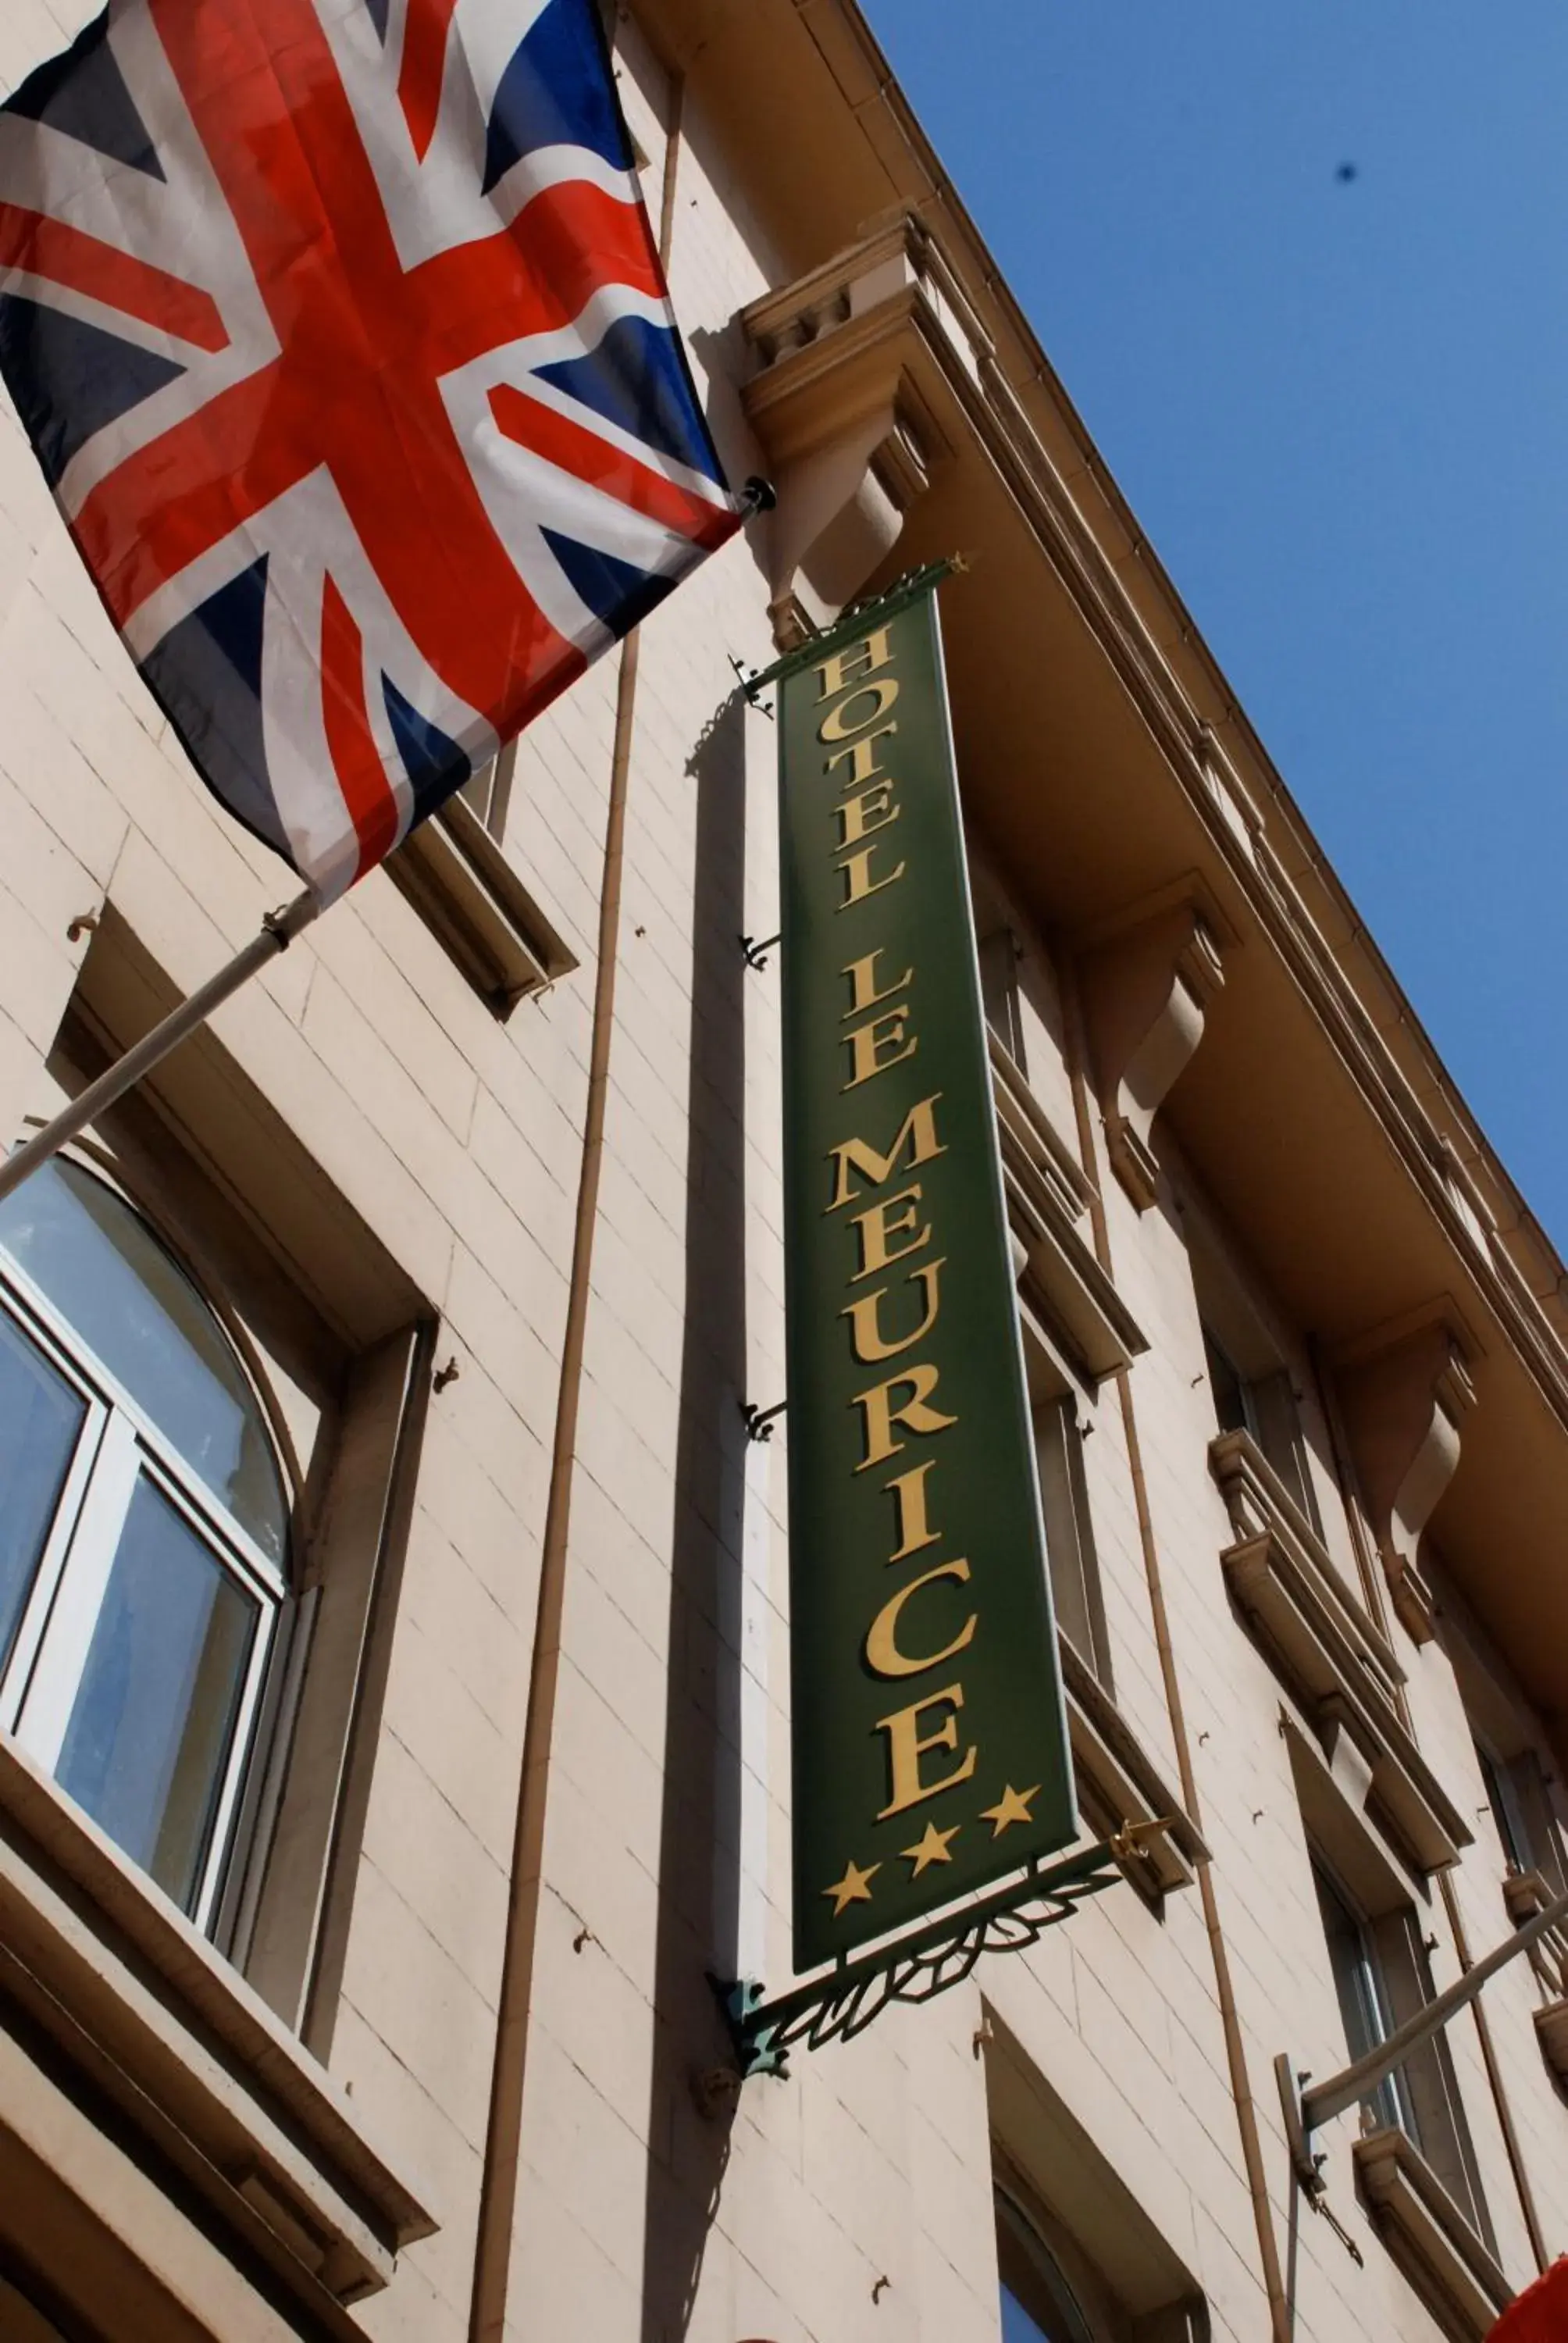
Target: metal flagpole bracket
[755,955]
[914,1968]
[278,929]
[760,1420]
[1307,2111]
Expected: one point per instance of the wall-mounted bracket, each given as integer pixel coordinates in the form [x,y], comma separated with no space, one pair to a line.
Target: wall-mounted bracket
[1307,2111]
[842,2002]
[755,955]
[759,1421]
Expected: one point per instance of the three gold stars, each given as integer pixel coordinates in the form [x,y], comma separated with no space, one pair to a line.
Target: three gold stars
[932,1848]
[855,1887]
[1012,1806]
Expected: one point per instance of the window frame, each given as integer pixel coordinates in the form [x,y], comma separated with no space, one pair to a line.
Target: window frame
[1067,1523]
[1013,2219]
[116,1446]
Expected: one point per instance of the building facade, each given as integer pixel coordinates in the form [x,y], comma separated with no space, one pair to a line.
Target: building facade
[395,1704]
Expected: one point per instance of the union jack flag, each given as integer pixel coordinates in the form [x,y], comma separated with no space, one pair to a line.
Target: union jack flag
[340,334]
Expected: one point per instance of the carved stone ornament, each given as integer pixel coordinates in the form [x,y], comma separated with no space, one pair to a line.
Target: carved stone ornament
[1146,992]
[1406,1392]
[851,357]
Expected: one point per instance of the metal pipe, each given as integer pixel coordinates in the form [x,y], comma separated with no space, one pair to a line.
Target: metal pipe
[278,930]
[1279,2317]
[1340,2091]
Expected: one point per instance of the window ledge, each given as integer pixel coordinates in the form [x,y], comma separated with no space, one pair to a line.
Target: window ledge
[1328,1654]
[1551,2032]
[477,908]
[1430,2238]
[1047,1196]
[150,2015]
[1119,1783]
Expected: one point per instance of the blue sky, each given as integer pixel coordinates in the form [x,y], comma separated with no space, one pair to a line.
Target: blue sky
[1340,409]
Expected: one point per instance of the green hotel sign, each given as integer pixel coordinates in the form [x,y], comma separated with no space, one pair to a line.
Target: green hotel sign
[929,1743]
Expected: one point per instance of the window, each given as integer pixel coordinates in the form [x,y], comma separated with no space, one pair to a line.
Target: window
[999,959]
[1381,1980]
[1068,1537]
[1038,2306]
[144,1531]
[489,790]
[1521,1806]
[1265,1407]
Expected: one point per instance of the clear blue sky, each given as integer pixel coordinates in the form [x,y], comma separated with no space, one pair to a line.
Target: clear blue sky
[1340,409]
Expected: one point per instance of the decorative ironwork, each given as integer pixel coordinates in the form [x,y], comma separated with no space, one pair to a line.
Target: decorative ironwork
[876,607]
[914,1968]
[760,1420]
[755,955]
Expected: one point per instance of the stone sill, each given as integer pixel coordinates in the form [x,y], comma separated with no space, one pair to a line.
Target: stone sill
[1119,1783]
[1430,2239]
[150,2014]
[1327,1653]
[1047,1196]
[477,908]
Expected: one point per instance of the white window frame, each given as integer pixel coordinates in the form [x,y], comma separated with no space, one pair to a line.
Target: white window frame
[117,1444]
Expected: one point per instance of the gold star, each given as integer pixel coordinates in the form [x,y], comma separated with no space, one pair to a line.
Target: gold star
[1012,1806]
[932,1848]
[855,1887]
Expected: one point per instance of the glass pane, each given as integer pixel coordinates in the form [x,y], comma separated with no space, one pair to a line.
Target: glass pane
[1037,2305]
[134,1306]
[41,1420]
[1017,2326]
[149,1742]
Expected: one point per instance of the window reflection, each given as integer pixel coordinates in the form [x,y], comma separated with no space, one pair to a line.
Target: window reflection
[41,1419]
[127,1298]
[147,1745]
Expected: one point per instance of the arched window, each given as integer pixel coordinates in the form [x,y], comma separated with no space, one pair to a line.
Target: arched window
[144,1531]
[1038,2306]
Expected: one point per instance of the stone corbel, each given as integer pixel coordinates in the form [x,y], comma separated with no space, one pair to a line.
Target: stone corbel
[1405,1392]
[1146,991]
[846,430]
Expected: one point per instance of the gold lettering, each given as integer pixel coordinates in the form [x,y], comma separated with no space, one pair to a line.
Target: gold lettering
[916,1414]
[907,1491]
[856,814]
[836,726]
[862,756]
[917,1133]
[862,976]
[864,658]
[865,1322]
[905,1748]
[876,1229]
[883,1653]
[876,1046]
[858,880]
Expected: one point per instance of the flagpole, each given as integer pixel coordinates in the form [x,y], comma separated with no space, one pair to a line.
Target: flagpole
[278,930]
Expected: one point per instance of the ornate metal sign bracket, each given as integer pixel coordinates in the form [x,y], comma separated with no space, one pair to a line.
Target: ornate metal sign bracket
[915,1967]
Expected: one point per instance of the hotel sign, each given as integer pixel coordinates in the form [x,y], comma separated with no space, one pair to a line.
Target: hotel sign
[929,1741]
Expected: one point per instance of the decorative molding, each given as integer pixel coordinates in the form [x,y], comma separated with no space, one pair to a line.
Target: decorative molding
[1146,994]
[1404,1392]
[1331,1658]
[477,908]
[842,408]
[1059,1280]
[199,2069]
[1430,2239]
